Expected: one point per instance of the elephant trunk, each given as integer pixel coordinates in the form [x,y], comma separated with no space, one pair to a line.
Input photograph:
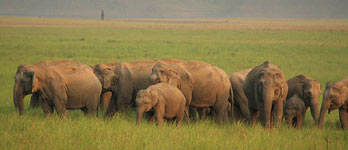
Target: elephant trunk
[18,97]
[152,79]
[267,95]
[140,113]
[314,110]
[324,107]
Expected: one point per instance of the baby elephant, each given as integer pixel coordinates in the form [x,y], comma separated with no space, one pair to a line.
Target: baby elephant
[295,111]
[165,100]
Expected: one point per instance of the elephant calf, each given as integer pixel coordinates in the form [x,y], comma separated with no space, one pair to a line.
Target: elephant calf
[295,111]
[165,100]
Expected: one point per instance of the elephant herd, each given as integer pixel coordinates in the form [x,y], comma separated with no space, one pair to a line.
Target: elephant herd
[178,90]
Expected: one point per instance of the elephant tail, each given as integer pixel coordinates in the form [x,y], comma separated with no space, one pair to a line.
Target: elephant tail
[230,114]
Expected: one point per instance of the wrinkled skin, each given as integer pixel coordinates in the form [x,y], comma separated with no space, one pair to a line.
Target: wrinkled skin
[308,90]
[131,77]
[108,79]
[266,89]
[203,85]
[165,100]
[240,101]
[294,111]
[62,85]
[335,96]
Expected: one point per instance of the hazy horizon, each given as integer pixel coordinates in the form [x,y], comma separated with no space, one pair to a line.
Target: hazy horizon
[303,9]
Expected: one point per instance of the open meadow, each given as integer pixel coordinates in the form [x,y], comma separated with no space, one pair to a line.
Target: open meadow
[316,48]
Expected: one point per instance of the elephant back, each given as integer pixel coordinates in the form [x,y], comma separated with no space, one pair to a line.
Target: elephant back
[208,83]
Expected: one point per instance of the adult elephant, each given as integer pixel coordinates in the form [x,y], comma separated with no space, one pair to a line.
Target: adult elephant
[202,84]
[128,78]
[240,102]
[266,89]
[62,85]
[335,97]
[308,90]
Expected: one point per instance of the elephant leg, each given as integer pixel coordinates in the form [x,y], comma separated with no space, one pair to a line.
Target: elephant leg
[243,110]
[343,118]
[220,108]
[47,109]
[299,121]
[203,112]
[237,115]
[179,117]
[60,108]
[92,107]
[278,108]
[193,113]
[200,113]
[159,118]
[290,119]
[253,117]
[187,113]
[35,100]
[125,98]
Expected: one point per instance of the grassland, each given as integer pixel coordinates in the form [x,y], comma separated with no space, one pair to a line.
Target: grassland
[316,48]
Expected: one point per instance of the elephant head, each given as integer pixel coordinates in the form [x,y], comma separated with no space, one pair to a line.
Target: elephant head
[145,100]
[106,76]
[270,85]
[166,74]
[334,97]
[26,82]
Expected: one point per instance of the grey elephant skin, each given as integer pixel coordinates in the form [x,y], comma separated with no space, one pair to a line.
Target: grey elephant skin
[167,102]
[308,90]
[202,84]
[128,78]
[62,85]
[266,89]
[294,111]
[335,96]
[240,110]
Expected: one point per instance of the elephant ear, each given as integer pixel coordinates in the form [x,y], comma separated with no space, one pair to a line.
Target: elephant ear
[112,76]
[185,78]
[305,90]
[344,93]
[155,97]
[34,80]
[279,79]
[174,76]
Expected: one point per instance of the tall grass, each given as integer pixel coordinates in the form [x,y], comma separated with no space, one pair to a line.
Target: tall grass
[320,54]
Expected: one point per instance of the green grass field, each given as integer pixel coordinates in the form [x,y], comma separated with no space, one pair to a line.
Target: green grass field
[316,48]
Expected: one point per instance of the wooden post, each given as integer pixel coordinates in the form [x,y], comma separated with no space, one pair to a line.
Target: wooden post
[102,14]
